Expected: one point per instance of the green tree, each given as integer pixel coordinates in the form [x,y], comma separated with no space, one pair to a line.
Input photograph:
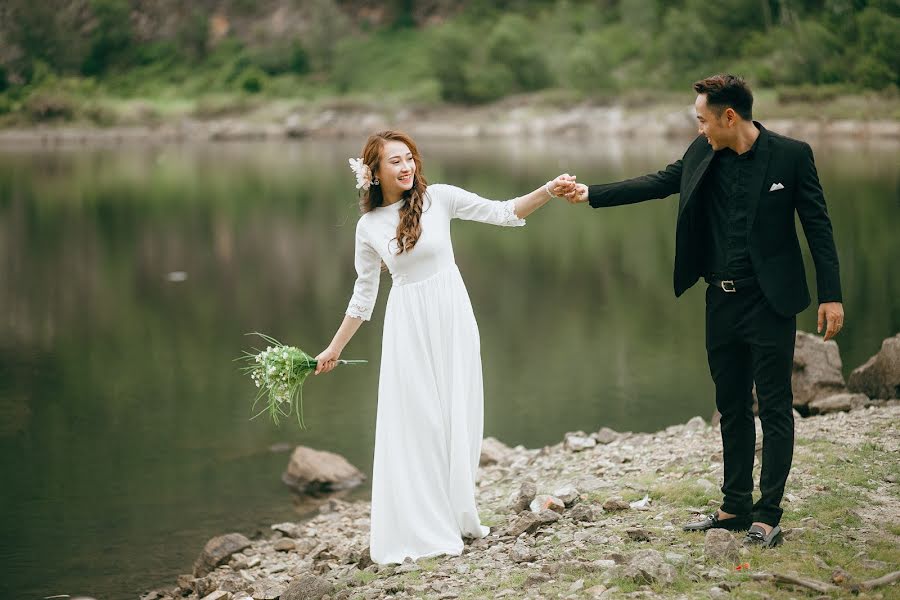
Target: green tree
[642,16]
[449,53]
[511,44]
[590,64]
[813,55]
[193,34]
[487,82]
[879,38]
[687,43]
[328,26]
[111,38]
[46,32]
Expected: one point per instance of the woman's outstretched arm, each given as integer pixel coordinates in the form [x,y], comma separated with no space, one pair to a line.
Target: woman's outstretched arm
[508,213]
[560,186]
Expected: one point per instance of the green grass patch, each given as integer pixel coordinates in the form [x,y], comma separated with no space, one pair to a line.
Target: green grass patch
[684,493]
[429,564]
[365,577]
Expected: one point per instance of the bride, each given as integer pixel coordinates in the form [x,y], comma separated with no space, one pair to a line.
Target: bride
[430,398]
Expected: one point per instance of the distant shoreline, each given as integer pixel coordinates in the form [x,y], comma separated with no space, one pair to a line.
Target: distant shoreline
[501,120]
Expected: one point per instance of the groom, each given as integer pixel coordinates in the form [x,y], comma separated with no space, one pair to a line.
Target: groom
[739,187]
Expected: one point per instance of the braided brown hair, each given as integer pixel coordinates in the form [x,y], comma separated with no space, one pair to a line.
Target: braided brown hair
[410,227]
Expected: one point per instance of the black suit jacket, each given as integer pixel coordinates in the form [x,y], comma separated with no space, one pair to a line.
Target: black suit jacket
[772,235]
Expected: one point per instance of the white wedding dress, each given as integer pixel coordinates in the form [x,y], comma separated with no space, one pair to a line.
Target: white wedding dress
[430,397]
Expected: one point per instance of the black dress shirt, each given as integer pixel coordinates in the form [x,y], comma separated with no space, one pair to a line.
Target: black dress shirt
[725,198]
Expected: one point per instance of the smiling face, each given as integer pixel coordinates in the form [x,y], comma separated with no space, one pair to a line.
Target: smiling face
[396,169]
[719,129]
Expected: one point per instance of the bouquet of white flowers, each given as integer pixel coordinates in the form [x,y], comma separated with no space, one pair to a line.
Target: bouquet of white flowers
[279,372]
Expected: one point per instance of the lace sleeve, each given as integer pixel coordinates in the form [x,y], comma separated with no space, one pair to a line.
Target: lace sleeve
[472,207]
[368,272]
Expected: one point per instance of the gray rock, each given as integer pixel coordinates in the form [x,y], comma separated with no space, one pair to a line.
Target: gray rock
[582,512]
[720,545]
[307,587]
[529,522]
[522,499]
[879,377]
[408,566]
[576,442]
[313,471]
[289,529]
[217,551]
[707,485]
[838,403]
[568,494]
[520,553]
[536,579]
[639,534]
[696,424]
[596,591]
[218,595]
[817,369]
[185,584]
[269,591]
[204,586]
[648,566]
[547,502]
[493,451]
[548,516]
[614,504]
[526,522]
[606,435]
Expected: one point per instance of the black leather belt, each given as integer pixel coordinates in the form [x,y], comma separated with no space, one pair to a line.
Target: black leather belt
[733,285]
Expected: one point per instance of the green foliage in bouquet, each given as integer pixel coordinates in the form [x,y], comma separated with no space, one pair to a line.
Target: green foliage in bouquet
[279,372]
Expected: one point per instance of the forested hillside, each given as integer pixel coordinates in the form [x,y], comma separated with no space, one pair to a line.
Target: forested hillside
[56,53]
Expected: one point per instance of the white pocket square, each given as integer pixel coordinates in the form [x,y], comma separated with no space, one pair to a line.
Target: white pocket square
[775,187]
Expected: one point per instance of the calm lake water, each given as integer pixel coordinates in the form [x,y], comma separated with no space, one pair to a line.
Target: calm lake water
[124,430]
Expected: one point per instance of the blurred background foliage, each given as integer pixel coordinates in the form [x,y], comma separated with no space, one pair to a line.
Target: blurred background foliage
[74,59]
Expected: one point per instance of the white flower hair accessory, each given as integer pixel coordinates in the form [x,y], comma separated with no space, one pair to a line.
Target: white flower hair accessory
[363,173]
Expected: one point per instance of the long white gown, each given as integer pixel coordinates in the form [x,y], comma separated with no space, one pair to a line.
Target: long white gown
[430,397]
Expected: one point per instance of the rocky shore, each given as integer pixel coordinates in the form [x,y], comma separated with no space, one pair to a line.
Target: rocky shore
[599,515]
[607,525]
[510,118]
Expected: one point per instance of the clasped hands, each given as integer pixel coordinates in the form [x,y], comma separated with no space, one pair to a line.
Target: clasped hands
[566,187]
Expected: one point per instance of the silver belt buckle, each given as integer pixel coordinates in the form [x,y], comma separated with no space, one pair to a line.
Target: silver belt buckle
[728,286]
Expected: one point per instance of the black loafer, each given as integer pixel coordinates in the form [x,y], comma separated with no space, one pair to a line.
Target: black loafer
[736,523]
[757,537]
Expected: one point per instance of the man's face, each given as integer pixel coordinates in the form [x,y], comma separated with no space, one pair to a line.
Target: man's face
[716,128]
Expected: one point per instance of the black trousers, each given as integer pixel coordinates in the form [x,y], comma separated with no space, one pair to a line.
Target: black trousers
[747,342]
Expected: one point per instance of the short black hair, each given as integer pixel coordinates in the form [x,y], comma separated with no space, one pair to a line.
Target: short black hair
[727,91]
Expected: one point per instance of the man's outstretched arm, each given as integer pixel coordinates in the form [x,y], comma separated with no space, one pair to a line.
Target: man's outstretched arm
[646,187]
